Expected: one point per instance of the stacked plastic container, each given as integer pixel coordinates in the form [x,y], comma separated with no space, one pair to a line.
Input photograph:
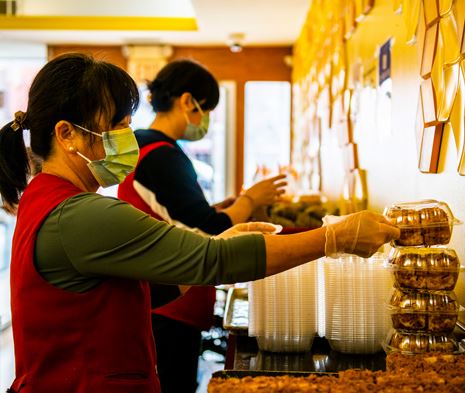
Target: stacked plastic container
[423,306]
[283,310]
[355,289]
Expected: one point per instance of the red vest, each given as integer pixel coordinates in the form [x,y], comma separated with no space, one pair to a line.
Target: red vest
[97,341]
[196,306]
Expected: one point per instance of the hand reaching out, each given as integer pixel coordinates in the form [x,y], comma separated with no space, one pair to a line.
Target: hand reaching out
[266,191]
[359,233]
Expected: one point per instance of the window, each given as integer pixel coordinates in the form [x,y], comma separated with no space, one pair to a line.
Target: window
[267,127]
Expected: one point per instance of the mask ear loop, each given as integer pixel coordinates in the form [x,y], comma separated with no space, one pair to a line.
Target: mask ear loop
[197,105]
[92,132]
[83,156]
[85,129]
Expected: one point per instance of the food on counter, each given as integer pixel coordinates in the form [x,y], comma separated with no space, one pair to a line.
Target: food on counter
[306,213]
[413,343]
[434,312]
[421,223]
[425,268]
[432,373]
[443,363]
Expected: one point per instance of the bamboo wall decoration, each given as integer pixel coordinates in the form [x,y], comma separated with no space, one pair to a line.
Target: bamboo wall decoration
[325,82]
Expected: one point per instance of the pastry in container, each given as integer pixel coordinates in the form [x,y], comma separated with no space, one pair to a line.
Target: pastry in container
[431,268]
[419,342]
[422,223]
[433,312]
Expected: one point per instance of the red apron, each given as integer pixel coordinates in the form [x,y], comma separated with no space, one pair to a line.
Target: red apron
[96,341]
[196,306]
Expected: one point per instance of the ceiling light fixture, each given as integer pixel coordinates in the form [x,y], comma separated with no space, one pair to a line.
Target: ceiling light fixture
[235,42]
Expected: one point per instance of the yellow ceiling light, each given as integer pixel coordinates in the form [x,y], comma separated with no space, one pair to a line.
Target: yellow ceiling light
[97,23]
[144,15]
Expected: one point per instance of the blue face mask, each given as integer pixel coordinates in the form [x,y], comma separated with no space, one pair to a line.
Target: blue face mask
[121,156]
[194,132]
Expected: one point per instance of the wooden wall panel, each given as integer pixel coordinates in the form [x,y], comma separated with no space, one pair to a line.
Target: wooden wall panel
[112,54]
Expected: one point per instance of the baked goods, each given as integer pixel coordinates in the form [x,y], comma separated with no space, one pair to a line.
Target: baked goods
[421,223]
[301,214]
[429,373]
[408,220]
[413,343]
[435,223]
[421,316]
[442,363]
[425,268]
[434,312]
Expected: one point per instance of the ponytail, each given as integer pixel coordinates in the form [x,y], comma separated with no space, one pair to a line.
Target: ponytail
[14,163]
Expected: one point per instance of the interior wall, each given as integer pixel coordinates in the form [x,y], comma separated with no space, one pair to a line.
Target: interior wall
[389,154]
[251,64]
[390,159]
[110,53]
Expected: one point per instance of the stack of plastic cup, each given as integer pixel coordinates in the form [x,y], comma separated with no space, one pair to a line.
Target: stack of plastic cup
[356,290]
[283,310]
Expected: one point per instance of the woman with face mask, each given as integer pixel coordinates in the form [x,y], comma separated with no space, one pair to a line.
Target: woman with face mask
[81,263]
[165,185]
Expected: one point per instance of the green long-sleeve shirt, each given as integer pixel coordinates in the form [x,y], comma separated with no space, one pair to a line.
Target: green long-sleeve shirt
[89,237]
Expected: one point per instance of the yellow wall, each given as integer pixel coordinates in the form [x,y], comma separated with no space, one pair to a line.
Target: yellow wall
[390,160]
[388,157]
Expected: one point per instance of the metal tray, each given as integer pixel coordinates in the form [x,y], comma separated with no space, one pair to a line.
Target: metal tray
[236,313]
[254,373]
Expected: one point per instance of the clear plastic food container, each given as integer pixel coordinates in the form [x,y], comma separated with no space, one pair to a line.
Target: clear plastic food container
[435,268]
[434,312]
[422,223]
[412,343]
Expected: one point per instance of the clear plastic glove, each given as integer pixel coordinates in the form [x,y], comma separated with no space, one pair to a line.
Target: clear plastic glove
[266,191]
[245,228]
[359,233]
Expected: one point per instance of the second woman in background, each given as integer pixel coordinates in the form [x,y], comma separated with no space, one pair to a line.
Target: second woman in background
[165,186]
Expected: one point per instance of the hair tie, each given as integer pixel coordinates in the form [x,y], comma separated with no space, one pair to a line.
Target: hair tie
[19,121]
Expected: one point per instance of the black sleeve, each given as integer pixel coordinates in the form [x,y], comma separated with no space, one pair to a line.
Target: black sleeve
[170,175]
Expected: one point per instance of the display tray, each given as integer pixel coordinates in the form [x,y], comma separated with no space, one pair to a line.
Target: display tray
[252,373]
[236,312]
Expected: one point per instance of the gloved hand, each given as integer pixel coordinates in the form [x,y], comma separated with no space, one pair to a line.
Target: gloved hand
[245,228]
[266,191]
[360,233]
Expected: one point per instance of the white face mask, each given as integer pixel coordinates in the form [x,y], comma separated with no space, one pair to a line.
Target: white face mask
[121,156]
[194,132]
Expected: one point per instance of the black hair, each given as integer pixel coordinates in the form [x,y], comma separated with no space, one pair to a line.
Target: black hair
[179,77]
[72,87]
